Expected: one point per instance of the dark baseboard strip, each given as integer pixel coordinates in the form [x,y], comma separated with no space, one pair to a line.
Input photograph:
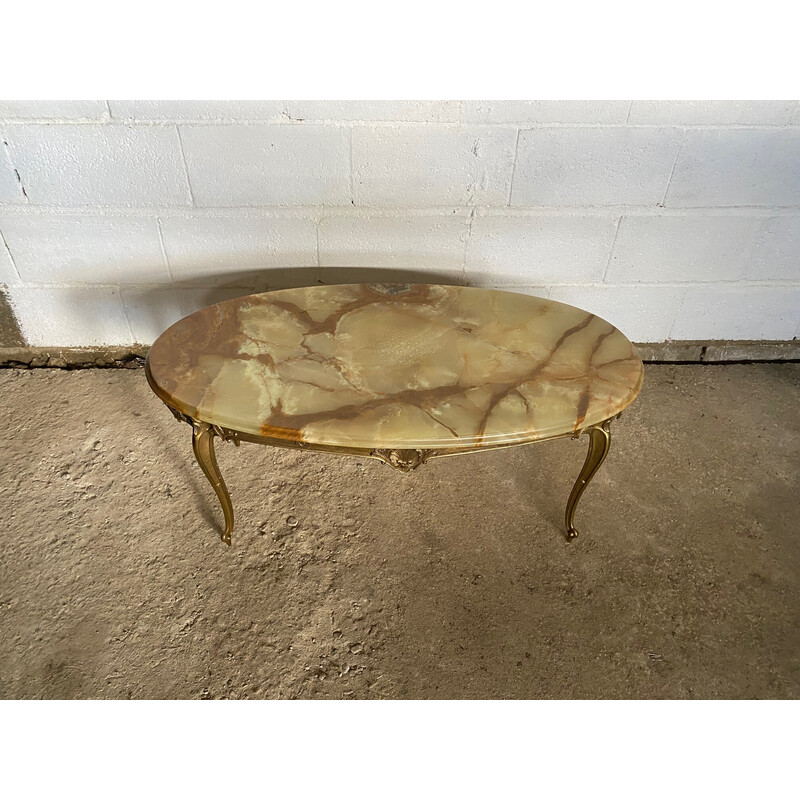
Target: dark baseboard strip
[73,357]
[659,353]
[719,352]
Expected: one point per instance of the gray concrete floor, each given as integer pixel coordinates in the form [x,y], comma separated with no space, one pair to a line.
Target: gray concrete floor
[349,580]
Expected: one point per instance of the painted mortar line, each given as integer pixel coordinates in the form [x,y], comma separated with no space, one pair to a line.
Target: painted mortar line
[125,315]
[305,211]
[523,124]
[185,164]
[11,256]
[164,250]
[316,230]
[44,121]
[357,123]
[672,171]
[467,241]
[760,235]
[280,119]
[514,168]
[611,251]
[677,314]
[352,195]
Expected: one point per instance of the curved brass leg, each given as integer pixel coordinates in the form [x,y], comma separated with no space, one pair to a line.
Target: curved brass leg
[203,444]
[599,442]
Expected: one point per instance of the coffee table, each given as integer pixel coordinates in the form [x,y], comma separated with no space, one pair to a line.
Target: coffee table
[402,373]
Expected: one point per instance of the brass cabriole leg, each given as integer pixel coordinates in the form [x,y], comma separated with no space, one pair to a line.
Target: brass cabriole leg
[203,444]
[599,442]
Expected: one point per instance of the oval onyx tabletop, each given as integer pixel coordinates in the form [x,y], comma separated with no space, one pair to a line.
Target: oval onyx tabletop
[395,366]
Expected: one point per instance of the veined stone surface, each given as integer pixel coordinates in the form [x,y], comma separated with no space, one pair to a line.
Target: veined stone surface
[396,366]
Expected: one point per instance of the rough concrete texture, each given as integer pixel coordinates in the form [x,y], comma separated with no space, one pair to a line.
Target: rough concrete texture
[349,580]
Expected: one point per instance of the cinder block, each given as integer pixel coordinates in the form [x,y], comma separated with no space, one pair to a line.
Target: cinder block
[737,167]
[532,112]
[776,255]
[738,312]
[151,310]
[10,190]
[75,316]
[374,110]
[263,165]
[432,166]
[54,109]
[711,112]
[91,249]
[431,243]
[513,249]
[503,112]
[75,165]
[686,248]
[237,250]
[593,166]
[642,313]
[200,110]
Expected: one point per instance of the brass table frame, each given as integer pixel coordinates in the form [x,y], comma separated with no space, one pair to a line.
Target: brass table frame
[204,433]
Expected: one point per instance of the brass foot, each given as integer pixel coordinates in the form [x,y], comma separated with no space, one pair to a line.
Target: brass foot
[599,443]
[203,445]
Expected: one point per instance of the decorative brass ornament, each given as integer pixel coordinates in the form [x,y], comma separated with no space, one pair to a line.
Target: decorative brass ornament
[403,460]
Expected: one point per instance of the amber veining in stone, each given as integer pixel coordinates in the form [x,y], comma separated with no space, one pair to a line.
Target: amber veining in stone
[396,366]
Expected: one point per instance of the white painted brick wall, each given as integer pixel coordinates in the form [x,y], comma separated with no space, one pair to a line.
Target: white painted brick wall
[513,112]
[267,165]
[776,255]
[642,313]
[432,165]
[671,219]
[195,110]
[737,167]
[151,310]
[71,316]
[427,243]
[711,112]
[509,250]
[210,251]
[374,110]
[10,191]
[8,273]
[85,249]
[53,109]
[87,165]
[594,166]
[545,112]
[738,312]
[689,249]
